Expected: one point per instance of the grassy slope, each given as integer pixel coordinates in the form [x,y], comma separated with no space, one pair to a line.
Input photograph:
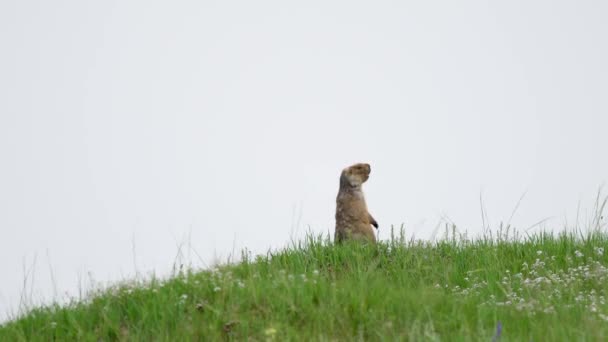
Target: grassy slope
[544,288]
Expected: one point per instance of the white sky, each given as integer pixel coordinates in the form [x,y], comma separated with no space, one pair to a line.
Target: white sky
[125,126]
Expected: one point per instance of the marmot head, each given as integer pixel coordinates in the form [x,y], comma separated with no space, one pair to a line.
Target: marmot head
[355,175]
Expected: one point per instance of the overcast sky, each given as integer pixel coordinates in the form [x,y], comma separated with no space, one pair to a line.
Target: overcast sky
[129,127]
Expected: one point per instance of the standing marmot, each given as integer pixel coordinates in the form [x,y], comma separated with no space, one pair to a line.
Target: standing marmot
[352,219]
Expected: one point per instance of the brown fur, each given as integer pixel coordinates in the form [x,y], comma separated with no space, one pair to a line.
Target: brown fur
[353,221]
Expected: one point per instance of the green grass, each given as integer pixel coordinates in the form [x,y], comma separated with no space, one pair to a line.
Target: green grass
[540,288]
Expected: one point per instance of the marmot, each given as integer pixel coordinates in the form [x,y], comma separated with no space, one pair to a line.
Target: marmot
[353,221]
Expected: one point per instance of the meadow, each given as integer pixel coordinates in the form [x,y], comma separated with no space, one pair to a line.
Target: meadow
[541,287]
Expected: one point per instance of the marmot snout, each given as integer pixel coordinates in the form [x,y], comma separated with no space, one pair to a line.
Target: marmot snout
[353,221]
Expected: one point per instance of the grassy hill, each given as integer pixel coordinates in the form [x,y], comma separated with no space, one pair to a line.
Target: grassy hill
[540,288]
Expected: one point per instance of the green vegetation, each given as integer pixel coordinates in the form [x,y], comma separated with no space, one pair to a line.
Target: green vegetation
[540,288]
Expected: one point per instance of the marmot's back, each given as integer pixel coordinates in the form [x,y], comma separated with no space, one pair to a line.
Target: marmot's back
[353,221]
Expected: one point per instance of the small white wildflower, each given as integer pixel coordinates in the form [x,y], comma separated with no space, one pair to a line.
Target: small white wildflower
[599,251]
[437,286]
[578,254]
[184,296]
[315,272]
[216,289]
[270,332]
[539,252]
[240,284]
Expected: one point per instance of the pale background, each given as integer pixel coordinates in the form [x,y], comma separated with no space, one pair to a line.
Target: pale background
[128,128]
